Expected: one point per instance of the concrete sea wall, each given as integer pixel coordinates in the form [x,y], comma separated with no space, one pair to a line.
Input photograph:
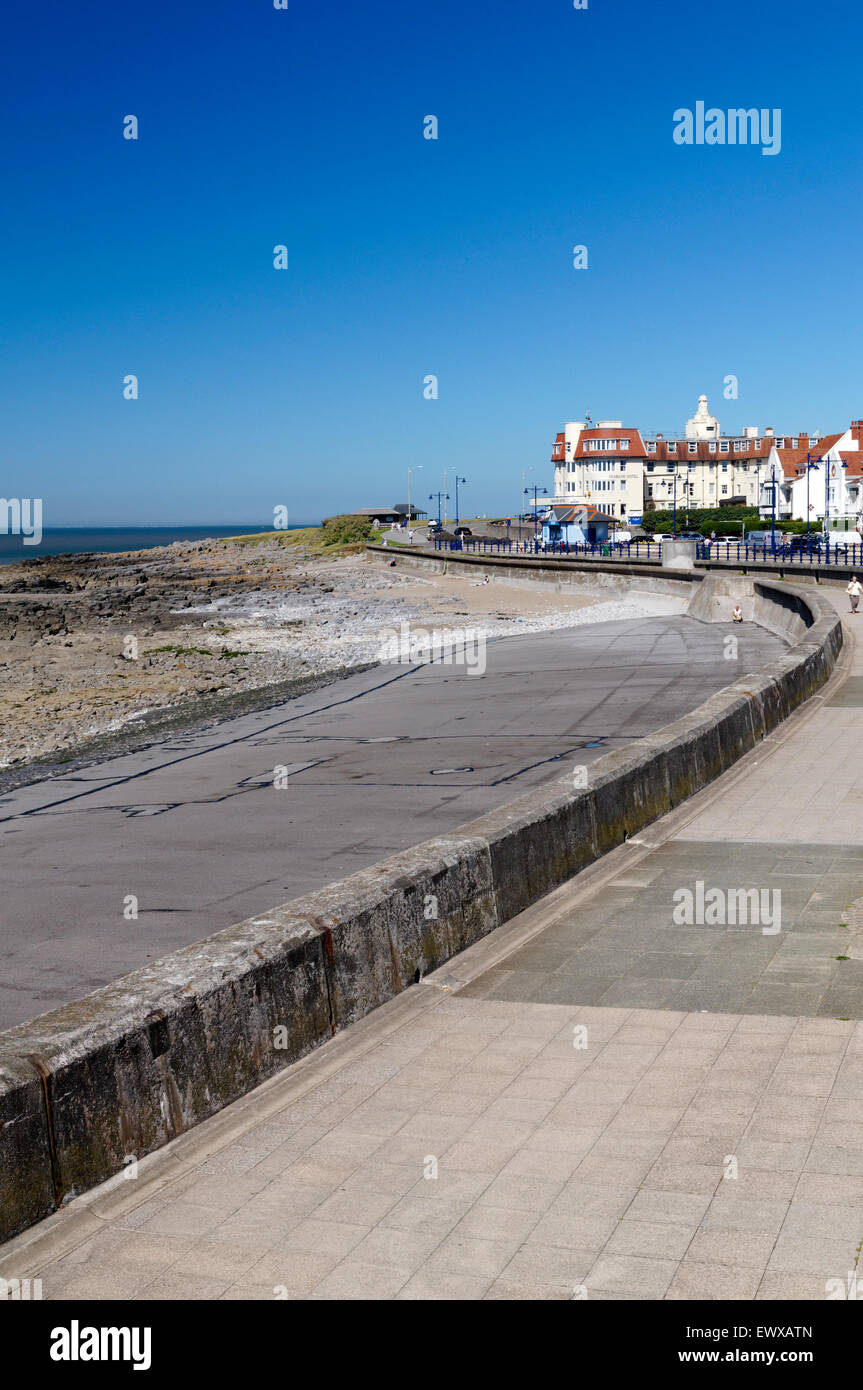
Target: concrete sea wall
[114,1076]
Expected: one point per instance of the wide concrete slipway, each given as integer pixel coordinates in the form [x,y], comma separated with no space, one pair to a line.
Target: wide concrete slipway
[89,1086]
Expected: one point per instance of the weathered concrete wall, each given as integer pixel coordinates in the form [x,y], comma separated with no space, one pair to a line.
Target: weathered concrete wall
[121,1072]
[558,575]
[678,554]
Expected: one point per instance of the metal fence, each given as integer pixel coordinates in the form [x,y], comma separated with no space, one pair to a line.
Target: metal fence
[735,552]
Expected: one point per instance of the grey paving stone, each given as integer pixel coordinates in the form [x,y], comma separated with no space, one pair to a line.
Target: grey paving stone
[700,1282]
[548,1265]
[621,1274]
[429,1284]
[657,1239]
[508,1290]
[358,1279]
[795,1254]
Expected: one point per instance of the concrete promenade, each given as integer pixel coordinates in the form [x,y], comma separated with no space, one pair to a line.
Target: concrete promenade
[372,764]
[594,1101]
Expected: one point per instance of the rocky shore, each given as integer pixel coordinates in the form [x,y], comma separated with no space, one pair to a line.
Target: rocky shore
[94,644]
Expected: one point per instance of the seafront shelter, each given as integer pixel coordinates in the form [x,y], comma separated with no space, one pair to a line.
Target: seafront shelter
[577,526]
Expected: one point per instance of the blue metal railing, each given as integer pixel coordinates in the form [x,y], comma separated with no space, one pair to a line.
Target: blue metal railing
[735,552]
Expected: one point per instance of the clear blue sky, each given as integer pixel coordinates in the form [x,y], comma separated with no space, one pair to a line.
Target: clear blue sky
[407,256]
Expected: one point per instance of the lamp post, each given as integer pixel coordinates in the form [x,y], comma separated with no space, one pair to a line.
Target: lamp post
[535,489]
[524,473]
[457,481]
[810,468]
[441,496]
[410,514]
[675,499]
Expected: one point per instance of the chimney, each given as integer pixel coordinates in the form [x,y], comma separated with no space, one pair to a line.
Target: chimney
[857,432]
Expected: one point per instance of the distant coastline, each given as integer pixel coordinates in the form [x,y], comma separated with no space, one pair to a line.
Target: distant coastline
[84,540]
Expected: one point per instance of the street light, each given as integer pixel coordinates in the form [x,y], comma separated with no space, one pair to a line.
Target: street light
[410,514]
[810,468]
[535,489]
[524,473]
[675,499]
[440,496]
[457,481]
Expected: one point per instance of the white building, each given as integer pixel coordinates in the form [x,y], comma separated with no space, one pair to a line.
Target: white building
[702,425]
[821,479]
[601,466]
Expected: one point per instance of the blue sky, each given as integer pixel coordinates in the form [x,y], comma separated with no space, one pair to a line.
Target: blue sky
[407,256]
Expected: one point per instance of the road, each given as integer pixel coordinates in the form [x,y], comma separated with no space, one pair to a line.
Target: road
[196,830]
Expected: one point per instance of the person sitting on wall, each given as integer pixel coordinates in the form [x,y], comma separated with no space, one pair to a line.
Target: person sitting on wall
[737,613]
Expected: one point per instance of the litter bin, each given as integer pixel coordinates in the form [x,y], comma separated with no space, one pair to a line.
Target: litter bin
[606,549]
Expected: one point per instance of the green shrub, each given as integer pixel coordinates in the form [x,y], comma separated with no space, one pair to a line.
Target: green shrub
[346,530]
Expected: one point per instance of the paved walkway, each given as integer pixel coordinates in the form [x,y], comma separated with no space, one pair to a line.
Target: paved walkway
[597,1101]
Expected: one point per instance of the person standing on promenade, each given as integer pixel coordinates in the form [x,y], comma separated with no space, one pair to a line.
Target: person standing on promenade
[854,590]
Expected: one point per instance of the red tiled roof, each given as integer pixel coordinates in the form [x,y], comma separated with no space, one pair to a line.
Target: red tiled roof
[794,460]
[854,460]
[636,444]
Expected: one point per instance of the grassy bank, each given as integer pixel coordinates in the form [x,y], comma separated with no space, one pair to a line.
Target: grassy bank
[337,535]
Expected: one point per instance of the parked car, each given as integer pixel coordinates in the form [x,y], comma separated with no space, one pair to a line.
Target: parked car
[759,538]
[434,526]
[806,545]
[463,531]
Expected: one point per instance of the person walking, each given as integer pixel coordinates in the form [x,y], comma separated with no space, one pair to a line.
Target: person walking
[854,590]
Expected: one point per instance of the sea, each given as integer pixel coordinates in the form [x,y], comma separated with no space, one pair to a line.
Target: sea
[83,540]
